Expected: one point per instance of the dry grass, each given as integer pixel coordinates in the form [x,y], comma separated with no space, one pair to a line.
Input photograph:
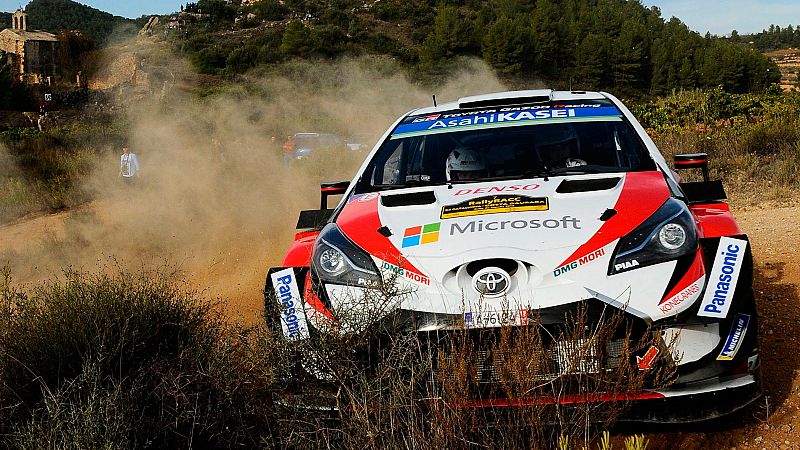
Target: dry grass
[388,386]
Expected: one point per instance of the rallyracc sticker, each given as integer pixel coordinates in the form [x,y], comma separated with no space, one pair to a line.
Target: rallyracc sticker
[495,204]
[293,317]
[723,278]
[504,119]
[735,338]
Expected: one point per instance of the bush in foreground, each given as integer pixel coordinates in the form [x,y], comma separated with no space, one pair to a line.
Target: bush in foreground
[126,361]
[134,361]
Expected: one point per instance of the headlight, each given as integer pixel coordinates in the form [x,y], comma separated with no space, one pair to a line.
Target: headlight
[335,259]
[666,235]
[672,236]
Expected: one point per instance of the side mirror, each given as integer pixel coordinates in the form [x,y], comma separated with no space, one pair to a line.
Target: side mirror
[331,188]
[693,161]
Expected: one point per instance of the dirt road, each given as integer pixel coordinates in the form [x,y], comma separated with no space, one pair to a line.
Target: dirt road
[775,422]
[234,274]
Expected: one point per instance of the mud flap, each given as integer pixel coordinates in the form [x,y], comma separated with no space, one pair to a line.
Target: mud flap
[283,303]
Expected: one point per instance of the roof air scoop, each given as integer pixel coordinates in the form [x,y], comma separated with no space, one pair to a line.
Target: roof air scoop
[506,98]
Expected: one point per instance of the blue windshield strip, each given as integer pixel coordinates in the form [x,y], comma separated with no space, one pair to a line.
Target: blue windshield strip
[503,119]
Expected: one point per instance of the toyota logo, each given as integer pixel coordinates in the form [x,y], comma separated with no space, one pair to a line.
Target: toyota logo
[491,281]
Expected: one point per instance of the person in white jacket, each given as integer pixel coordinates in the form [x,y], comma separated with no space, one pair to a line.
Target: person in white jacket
[128,165]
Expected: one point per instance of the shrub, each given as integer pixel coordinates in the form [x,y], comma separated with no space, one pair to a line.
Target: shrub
[126,360]
[209,60]
[269,10]
[393,388]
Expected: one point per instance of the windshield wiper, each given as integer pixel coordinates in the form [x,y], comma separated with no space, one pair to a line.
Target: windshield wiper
[542,171]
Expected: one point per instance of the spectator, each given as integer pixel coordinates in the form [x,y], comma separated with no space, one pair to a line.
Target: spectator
[288,150]
[128,165]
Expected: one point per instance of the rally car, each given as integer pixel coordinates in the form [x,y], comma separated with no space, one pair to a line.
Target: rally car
[495,208]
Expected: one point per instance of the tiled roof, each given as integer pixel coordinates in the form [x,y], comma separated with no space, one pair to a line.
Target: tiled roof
[31,35]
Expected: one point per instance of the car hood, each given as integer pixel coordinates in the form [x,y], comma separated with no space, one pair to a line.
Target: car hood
[557,218]
[555,238]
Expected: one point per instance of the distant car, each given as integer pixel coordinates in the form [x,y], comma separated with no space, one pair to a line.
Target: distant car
[308,144]
[360,141]
[494,208]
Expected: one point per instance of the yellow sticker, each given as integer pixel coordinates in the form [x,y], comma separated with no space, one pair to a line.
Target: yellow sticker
[495,204]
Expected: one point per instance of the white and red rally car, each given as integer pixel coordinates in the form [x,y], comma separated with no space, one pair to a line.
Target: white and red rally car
[495,207]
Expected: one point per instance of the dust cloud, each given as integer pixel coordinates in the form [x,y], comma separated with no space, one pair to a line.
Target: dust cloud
[215,198]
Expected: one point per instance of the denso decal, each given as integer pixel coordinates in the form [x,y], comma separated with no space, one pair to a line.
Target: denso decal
[723,278]
[503,119]
[498,189]
[735,337]
[678,299]
[495,204]
[585,259]
[293,318]
[400,272]
[479,226]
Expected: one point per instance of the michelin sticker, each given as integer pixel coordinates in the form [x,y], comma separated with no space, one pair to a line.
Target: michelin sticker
[735,338]
[495,204]
[723,278]
[293,318]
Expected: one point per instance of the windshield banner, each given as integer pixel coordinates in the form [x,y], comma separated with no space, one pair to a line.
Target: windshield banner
[434,124]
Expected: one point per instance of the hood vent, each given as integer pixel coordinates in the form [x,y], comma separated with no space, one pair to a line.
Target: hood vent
[597,184]
[414,198]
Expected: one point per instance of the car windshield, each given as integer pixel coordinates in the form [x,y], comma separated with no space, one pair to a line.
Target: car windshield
[533,141]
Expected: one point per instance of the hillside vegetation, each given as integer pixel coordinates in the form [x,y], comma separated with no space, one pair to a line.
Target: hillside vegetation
[773,38]
[616,45]
[57,16]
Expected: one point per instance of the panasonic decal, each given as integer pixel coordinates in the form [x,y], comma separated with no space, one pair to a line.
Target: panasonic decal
[723,278]
[293,317]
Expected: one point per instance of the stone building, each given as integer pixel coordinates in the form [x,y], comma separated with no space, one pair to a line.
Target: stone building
[31,54]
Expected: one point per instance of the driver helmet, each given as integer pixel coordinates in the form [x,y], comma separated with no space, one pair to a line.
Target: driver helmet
[464,164]
[557,142]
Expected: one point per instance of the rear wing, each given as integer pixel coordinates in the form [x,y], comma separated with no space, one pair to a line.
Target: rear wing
[315,219]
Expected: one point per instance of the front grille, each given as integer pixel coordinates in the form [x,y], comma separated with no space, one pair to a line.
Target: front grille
[509,361]
[562,357]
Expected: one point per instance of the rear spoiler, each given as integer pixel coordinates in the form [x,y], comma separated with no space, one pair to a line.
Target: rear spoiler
[315,219]
[706,191]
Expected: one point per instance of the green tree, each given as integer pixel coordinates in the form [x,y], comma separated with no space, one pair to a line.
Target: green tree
[328,40]
[507,45]
[451,35]
[590,62]
[57,16]
[545,33]
[269,10]
[296,39]
[210,59]
[241,59]
[217,11]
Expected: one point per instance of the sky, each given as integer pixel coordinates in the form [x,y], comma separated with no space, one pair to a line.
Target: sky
[717,16]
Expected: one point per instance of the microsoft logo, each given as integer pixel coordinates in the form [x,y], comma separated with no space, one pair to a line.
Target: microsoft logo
[424,234]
